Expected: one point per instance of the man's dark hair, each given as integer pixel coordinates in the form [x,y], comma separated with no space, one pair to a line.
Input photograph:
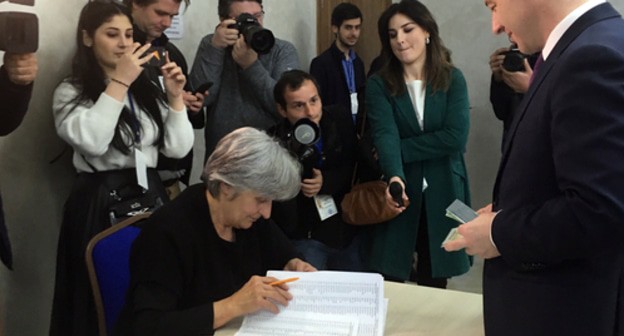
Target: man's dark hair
[224,7]
[293,80]
[343,12]
[144,3]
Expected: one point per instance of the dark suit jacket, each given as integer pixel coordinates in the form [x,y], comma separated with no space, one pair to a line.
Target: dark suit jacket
[14,101]
[328,72]
[560,187]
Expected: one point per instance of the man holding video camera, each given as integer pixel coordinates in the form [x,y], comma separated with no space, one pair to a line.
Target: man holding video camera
[16,84]
[243,61]
[151,19]
[313,219]
[510,81]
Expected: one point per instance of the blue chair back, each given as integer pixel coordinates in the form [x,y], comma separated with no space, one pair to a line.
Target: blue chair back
[108,257]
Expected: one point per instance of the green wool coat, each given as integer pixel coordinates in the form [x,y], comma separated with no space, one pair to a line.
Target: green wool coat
[411,153]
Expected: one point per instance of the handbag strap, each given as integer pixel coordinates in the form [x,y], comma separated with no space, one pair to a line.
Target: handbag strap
[89,163]
[360,135]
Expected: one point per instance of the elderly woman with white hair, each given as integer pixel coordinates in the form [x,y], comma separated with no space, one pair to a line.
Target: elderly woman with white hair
[199,261]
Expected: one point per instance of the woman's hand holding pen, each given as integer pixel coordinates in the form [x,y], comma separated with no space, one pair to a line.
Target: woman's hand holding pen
[257,294]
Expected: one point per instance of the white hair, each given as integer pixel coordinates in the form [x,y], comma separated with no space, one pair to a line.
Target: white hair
[249,159]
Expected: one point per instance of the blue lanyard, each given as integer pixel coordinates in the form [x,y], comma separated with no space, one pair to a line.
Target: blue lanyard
[347,66]
[319,147]
[135,124]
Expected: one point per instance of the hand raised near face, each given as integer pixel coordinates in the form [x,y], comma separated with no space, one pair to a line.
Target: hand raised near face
[130,64]
[224,36]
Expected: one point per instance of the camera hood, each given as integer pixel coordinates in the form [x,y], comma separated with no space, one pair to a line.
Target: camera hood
[306,132]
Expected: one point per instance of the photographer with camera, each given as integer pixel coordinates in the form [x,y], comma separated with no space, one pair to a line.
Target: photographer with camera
[313,219]
[16,83]
[243,77]
[511,74]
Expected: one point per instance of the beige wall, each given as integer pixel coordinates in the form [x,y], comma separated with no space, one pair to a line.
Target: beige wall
[34,190]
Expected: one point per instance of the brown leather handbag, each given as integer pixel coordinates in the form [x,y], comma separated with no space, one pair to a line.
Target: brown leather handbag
[366,203]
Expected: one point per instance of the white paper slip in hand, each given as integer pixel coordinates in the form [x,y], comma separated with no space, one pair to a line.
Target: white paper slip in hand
[452,235]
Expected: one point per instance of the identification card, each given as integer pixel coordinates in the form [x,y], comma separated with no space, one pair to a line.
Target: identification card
[354,105]
[325,206]
[141,168]
[161,80]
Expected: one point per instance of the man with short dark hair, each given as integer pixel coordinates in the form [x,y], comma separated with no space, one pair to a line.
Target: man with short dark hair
[242,93]
[338,70]
[151,19]
[313,219]
[552,237]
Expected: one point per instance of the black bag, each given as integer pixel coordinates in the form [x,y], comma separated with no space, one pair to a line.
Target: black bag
[131,200]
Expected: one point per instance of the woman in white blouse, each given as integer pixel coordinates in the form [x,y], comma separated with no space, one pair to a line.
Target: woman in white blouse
[116,121]
[419,114]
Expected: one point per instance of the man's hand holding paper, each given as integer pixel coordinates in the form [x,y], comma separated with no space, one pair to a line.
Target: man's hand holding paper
[474,236]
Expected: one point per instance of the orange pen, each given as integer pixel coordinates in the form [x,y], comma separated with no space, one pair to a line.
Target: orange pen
[283,281]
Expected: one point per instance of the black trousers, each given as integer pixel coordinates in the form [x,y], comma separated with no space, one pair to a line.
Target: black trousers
[422,275]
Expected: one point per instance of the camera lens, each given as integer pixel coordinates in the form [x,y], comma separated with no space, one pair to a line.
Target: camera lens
[261,40]
[514,60]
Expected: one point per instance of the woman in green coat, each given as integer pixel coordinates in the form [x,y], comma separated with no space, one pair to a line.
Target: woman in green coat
[419,113]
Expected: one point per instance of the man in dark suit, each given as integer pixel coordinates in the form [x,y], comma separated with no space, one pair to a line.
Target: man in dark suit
[552,238]
[339,71]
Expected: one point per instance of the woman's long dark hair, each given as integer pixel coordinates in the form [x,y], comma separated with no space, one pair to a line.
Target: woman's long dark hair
[88,76]
[438,64]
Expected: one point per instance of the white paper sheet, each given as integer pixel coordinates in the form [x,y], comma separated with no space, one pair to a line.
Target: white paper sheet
[289,324]
[347,295]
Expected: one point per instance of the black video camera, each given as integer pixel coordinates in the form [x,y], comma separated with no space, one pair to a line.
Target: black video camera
[514,60]
[300,141]
[19,32]
[261,40]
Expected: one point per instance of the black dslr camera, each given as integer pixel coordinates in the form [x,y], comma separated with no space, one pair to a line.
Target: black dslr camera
[19,32]
[261,40]
[300,141]
[514,59]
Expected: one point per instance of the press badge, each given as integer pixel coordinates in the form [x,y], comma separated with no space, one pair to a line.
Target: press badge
[161,80]
[141,168]
[325,206]
[354,105]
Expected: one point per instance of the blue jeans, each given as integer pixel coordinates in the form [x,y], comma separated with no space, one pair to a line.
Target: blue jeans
[324,257]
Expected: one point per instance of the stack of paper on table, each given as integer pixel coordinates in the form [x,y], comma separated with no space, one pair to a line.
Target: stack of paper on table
[325,303]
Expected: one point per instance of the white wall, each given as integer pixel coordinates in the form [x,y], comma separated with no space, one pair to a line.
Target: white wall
[34,190]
